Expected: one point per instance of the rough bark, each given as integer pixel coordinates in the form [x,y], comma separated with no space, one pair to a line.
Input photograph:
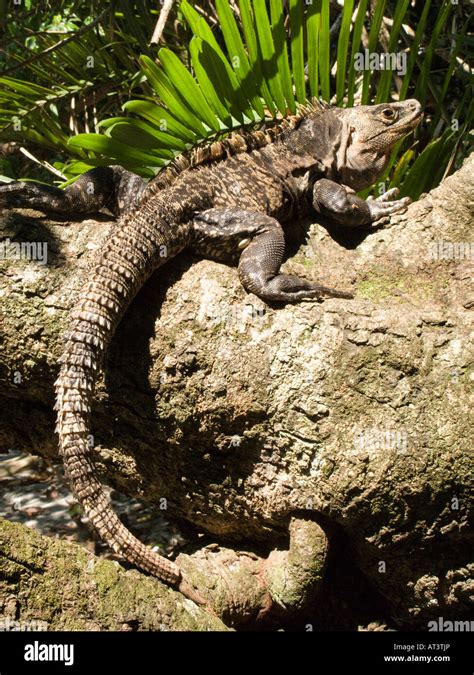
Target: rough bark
[354,414]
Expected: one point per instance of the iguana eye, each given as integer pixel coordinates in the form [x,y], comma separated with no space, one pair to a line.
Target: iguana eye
[388,113]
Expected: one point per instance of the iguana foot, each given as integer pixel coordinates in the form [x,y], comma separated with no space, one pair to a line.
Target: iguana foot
[19,194]
[189,592]
[381,208]
[288,288]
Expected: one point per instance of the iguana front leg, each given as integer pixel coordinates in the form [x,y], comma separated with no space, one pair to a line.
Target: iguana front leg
[222,233]
[338,204]
[108,187]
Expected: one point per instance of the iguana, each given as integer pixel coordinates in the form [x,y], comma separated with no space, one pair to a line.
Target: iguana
[230,201]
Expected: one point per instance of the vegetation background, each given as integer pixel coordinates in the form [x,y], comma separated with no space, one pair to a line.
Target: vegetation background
[81,85]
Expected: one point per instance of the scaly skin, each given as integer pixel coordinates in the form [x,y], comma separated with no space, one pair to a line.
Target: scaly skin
[230,209]
[128,259]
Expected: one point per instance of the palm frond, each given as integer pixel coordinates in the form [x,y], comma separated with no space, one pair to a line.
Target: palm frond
[243,63]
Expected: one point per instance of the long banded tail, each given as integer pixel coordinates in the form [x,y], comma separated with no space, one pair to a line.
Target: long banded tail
[125,263]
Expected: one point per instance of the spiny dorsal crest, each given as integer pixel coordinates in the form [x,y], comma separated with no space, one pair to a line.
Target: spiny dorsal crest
[237,142]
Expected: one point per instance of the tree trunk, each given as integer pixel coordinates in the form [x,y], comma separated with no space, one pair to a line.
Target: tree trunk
[350,415]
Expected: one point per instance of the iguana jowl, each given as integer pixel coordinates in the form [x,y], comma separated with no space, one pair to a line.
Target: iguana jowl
[230,208]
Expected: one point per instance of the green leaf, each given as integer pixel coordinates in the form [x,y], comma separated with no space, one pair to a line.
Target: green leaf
[114,149]
[313,25]
[453,57]
[447,155]
[393,159]
[269,61]
[420,29]
[238,55]
[422,85]
[168,94]
[159,139]
[373,39]
[281,52]
[325,52]
[183,81]
[383,89]
[228,80]
[248,27]
[342,49]
[161,118]
[402,167]
[110,121]
[417,178]
[29,88]
[356,45]
[297,48]
[131,135]
[198,24]
[207,72]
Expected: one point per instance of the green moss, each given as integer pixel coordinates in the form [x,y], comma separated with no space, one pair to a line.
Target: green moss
[381,282]
[375,289]
[105,575]
[307,334]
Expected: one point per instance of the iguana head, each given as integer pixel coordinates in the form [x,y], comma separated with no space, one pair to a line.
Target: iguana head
[371,132]
[382,126]
[352,146]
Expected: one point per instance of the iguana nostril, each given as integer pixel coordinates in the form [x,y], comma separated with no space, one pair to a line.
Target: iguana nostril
[414,105]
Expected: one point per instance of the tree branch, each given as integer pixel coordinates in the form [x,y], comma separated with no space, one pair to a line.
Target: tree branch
[166,6]
[239,416]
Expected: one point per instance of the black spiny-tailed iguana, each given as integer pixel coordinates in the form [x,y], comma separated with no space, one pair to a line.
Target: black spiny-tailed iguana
[229,202]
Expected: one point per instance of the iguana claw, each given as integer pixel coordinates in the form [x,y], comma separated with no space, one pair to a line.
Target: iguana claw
[381,208]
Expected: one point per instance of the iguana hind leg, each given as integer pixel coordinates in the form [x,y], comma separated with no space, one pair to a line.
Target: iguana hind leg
[258,239]
[107,187]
